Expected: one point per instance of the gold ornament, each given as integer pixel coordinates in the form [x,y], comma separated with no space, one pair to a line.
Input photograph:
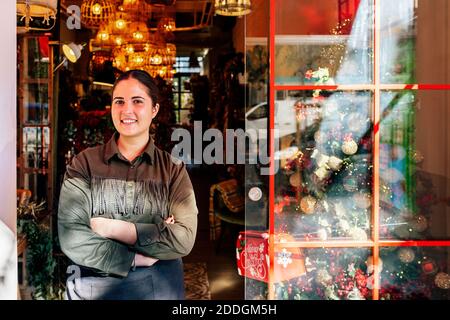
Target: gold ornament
[406,255]
[419,223]
[308,204]
[335,163]
[294,180]
[417,157]
[370,266]
[349,147]
[442,280]
[322,173]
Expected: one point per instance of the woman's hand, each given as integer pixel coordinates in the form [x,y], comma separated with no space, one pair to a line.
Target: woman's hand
[115,229]
[170,220]
[102,226]
[143,261]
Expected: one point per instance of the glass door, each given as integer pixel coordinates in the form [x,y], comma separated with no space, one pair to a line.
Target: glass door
[358,195]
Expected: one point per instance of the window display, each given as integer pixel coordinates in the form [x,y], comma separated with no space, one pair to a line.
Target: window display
[358,102]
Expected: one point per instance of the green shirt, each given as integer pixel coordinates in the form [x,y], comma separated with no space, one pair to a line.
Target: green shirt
[100,182]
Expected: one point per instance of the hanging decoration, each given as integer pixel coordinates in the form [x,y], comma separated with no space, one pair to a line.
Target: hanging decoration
[97,12]
[232,7]
[31,10]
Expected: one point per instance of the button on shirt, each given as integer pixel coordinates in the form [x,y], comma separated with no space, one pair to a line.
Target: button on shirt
[100,182]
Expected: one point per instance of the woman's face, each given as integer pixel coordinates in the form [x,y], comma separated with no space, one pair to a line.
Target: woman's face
[132,109]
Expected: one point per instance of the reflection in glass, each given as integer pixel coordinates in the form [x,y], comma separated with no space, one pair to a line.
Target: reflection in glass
[414,273]
[331,274]
[336,40]
[414,176]
[398,43]
[323,187]
[36,103]
[37,57]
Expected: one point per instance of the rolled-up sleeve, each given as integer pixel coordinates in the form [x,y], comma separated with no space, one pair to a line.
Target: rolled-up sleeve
[170,241]
[77,240]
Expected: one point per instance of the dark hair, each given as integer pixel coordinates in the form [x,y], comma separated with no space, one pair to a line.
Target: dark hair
[145,79]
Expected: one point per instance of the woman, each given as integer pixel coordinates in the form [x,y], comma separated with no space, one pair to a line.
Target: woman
[127,211]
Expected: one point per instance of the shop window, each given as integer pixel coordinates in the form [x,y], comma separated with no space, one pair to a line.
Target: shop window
[34,134]
[182,94]
[358,202]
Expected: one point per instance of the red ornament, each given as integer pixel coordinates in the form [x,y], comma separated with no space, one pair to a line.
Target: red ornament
[429,267]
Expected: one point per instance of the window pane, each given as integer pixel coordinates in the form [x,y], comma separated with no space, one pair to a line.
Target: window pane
[37,57]
[414,273]
[324,274]
[35,103]
[324,161]
[185,116]
[175,100]
[414,169]
[187,100]
[414,41]
[323,42]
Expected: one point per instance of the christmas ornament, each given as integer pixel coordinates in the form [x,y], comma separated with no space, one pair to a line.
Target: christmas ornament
[406,255]
[429,266]
[419,223]
[370,266]
[335,163]
[295,181]
[349,147]
[350,183]
[358,234]
[308,204]
[255,194]
[323,277]
[417,157]
[322,173]
[284,258]
[442,280]
[362,200]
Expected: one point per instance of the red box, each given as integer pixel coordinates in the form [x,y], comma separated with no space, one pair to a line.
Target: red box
[252,254]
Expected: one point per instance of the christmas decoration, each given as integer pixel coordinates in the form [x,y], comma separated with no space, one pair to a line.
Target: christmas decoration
[307,204]
[369,263]
[406,255]
[349,147]
[429,267]
[442,280]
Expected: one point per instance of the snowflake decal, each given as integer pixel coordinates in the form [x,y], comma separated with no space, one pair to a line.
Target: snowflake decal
[284,258]
[261,247]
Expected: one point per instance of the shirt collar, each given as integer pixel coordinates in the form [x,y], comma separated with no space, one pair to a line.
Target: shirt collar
[111,149]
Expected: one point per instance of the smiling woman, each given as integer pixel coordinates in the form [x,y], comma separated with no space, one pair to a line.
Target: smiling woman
[127,210]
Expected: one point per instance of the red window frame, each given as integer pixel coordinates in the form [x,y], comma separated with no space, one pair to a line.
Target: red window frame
[375,87]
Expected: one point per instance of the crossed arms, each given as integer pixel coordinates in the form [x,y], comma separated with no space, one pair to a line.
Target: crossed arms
[113,246]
